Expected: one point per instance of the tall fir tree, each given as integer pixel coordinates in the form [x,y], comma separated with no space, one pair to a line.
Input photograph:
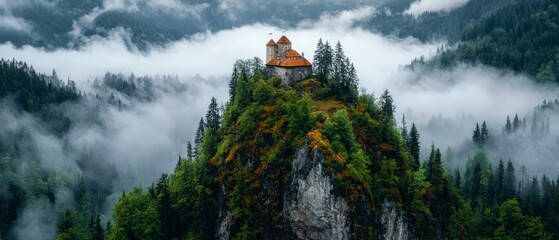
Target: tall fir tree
[322,62]
[413,146]
[508,126]
[516,123]
[199,137]
[509,181]
[477,135]
[500,181]
[404,131]
[387,105]
[233,84]
[189,151]
[213,119]
[484,134]
[97,232]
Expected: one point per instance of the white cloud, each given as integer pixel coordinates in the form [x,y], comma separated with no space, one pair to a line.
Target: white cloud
[474,91]
[344,19]
[14,23]
[421,6]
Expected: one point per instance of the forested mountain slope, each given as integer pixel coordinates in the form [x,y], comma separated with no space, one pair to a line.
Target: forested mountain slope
[316,160]
[521,36]
[392,20]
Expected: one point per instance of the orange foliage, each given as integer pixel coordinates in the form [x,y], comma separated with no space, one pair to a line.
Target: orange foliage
[232,153]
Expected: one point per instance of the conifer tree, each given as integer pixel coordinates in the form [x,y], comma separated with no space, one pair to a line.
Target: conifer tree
[339,67]
[515,123]
[413,146]
[435,171]
[165,212]
[233,84]
[457,178]
[212,117]
[189,151]
[404,131]
[322,62]
[97,232]
[508,126]
[199,137]
[387,105]
[509,181]
[477,135]
[484,135]
[500,181]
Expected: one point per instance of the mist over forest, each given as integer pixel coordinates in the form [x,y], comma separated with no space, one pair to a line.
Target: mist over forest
[101,97]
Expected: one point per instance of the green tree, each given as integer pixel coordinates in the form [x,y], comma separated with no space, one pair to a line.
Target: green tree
[508,126]
[404,130]
[413,146]
[199,137]
[484,134]
[97,232]
[165,212]
[322,62]
[213,120]
[477,135]
[189,151]
[387,105]
[500,181]
[509,181]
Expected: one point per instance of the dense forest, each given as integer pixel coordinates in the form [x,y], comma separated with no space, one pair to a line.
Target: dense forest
[319,159]
[521,36]
[237,173]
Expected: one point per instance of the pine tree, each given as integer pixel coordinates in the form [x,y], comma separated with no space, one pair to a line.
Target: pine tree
[404,130]
[212,117]
[97,232]
[199,137]
[165,212]
[340,69]
[509,181]
[189,151]
[500,181]
[508,126]
[322,62]
[435,171]
[475,184]
[457,178]
[484,135]
[387,105]
[477,135]
[413,146]
[515,123]
[533,202]
[233,84]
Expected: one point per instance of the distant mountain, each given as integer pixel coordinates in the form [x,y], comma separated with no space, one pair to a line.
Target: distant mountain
[69,23]
[522,36]
[392,20]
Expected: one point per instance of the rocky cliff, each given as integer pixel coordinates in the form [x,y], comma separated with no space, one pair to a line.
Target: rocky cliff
[310,206]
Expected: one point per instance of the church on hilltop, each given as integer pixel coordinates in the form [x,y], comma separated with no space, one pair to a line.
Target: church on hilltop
[286,63]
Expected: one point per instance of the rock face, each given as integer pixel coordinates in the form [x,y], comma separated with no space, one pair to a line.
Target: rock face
[392,222]
[310,206]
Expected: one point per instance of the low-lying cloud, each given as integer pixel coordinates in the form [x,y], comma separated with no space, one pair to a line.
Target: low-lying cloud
[421,6]
[149,136]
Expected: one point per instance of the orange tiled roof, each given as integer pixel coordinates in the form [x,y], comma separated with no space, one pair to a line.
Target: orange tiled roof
[302,62]
[284,39]
[292,54]
[295,63]
[271,43]
[273,62]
